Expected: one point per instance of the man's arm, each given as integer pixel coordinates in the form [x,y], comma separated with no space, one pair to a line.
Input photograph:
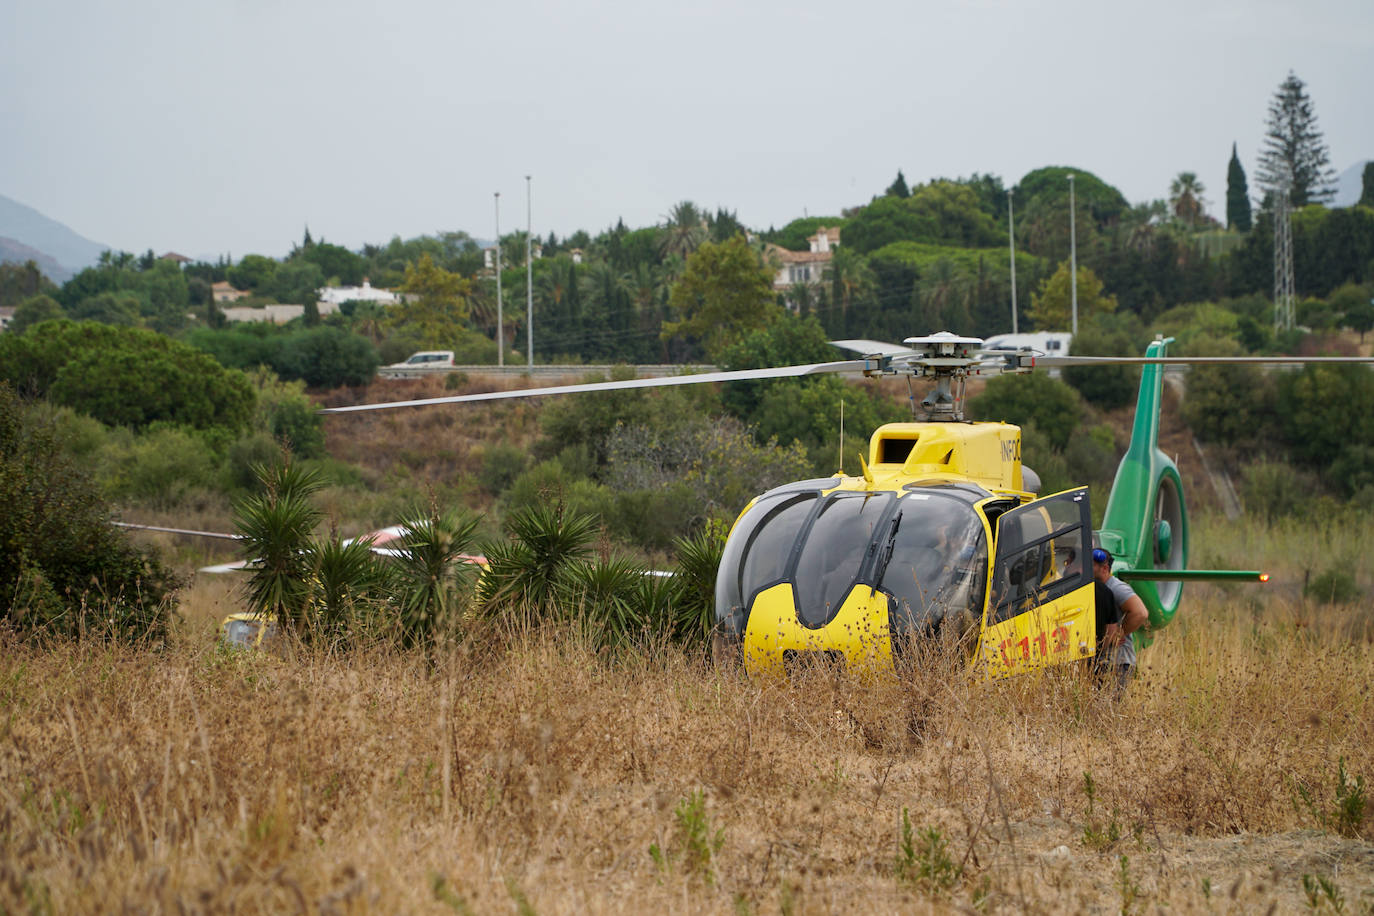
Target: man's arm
[1133,615]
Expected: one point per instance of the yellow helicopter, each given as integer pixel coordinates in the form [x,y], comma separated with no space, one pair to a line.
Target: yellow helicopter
[943,527]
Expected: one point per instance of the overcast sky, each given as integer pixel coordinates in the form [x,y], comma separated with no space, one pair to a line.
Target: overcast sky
[226,127]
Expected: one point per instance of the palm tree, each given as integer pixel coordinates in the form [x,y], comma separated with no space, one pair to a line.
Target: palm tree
[852,277]
[684,230]
[803,297]
[645,285]
[1139,224]
[1185,198]
[513,249]
[943,297]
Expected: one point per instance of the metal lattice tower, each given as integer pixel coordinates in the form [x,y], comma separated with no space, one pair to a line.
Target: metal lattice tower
[1284,309]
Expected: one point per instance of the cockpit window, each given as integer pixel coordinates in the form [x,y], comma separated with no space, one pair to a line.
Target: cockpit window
[925,550]
[1041,550]
[756,554]
[937,560]
[835,548]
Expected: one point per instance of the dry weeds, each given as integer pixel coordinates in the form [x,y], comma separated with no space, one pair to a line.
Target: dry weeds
[524,772]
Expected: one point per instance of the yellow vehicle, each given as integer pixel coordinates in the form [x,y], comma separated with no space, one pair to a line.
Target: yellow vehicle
[248,630]
[944,527]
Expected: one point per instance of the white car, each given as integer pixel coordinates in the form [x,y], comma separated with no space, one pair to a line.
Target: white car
[418,365]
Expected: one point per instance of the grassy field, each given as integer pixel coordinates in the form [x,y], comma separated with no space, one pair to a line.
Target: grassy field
[523,772]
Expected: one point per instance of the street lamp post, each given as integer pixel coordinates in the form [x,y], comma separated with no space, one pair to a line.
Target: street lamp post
[500,324]
[529,278]
[1011,244]
[1073,258]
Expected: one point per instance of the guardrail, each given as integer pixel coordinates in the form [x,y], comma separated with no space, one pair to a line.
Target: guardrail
[542,371]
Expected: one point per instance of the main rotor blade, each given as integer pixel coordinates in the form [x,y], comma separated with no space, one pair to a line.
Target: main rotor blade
[204,534]
[873,347]
[1055,361]
[849,365]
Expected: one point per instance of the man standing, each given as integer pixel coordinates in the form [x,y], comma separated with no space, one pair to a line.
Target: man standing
[1118,635]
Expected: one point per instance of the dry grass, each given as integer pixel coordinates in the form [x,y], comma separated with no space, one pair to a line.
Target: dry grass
[523,772]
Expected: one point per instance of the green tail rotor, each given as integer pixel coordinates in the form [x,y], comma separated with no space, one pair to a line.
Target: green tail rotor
[1146,522]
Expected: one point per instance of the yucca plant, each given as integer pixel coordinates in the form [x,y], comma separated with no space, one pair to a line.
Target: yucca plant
[606,596]
[694,586]
[349,581]
[276,526]
[433,584]
[656,596]
[525,570]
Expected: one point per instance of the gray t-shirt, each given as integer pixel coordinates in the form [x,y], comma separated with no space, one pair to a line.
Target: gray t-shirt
[1125,653]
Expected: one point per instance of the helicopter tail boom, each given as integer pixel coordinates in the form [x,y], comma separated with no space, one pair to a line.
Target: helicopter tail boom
[1146,522]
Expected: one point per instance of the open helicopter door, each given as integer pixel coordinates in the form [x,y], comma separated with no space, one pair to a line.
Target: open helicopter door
[1040,609]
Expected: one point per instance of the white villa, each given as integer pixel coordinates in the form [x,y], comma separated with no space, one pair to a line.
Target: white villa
[805,266]
[337,295]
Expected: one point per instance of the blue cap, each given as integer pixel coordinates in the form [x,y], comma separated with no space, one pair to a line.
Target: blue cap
[1101,556]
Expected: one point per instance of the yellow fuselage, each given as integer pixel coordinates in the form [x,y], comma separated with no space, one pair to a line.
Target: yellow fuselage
[839,566]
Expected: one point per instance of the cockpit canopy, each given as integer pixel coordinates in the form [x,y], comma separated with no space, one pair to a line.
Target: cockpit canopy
[924,547]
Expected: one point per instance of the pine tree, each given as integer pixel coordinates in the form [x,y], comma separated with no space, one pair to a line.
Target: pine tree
[1237,196]
[1367,182]
[898,187]
[1295,154]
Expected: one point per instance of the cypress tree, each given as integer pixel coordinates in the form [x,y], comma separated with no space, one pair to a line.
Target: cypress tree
[1237,195]
[1295,154]
[1367,192]
[898,187]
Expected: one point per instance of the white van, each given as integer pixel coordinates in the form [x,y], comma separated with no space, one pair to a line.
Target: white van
[426,362]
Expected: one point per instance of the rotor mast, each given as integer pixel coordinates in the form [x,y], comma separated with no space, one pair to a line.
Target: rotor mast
[948,359]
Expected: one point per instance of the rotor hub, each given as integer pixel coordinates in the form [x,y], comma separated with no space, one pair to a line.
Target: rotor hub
[1164,540]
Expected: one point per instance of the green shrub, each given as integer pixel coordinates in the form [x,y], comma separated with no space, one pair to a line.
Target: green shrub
[1047,461]
[64,569]
[327,357]
[244,457]
[284,412]
[1092,458]
[240,346]
[1050,404]
[1105,387]
[160,467]
[923,859]
[502,463]
[125,376]
[694,585]
[34,310]
[653,518]
[1274,489]
[549,482]
[1334,585]
[605,596]
[83,437]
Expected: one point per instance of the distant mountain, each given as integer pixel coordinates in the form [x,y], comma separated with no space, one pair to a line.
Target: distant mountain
[1349,185]
[15,252]
[27,234]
